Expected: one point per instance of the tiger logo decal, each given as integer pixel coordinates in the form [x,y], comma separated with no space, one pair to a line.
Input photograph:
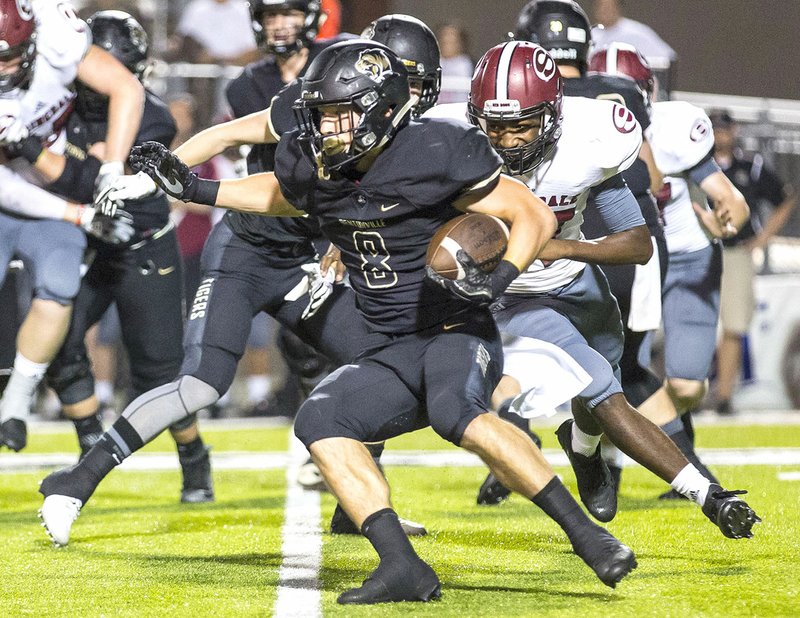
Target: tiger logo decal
[375,64]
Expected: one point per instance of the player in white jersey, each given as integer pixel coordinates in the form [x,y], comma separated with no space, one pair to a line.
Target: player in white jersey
[563,154]
[44,48]
[682,141]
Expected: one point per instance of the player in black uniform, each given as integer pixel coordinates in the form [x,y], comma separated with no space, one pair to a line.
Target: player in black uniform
[143,276]
[381,186]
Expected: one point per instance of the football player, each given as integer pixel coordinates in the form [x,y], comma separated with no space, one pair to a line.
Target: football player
[142,276]
[380,186]
[563,29]
[44,49]
[682,140]
[565,149]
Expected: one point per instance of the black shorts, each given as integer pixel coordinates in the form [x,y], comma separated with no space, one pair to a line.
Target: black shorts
[443,377]
[238,281]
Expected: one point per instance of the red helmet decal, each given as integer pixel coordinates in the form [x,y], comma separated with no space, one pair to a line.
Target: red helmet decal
[543,64]
[624,120]
[700,130]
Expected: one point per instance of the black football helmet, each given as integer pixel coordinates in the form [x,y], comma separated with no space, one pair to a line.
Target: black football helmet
[417,47]
[560,26]
[17,40]
[118,33]
[307,33]
[360,76]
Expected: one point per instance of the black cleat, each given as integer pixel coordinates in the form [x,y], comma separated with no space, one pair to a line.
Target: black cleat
[610,560]
[492,491]
[616,475]
[732,515]
[342,524]
[14,434]
[595,484]
[197,484]
[398,581]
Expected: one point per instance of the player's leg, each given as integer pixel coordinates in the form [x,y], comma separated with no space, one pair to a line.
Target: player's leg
[461,370]
[333,423]
[54,250]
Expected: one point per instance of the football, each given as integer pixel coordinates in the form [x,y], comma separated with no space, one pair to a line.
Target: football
[483,237]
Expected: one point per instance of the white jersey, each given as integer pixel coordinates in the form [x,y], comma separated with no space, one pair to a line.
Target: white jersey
[681,136]
[62,41]
[599,139]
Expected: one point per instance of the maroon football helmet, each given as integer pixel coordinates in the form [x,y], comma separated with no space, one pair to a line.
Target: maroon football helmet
[625,60]
[17,40]
[517,81]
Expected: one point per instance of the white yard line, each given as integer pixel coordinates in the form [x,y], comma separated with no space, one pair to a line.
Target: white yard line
[789,476]
[298,586]
[233,460]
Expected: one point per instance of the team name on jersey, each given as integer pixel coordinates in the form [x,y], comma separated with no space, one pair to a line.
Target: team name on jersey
[58,111]
[201,299]
[558,201]
[364,225]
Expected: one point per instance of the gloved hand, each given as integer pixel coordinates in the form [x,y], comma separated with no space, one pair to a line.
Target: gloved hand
[320,287]
[109,172]
[171,174]
[478,287]
[134,187]
[115,230]
[12,130]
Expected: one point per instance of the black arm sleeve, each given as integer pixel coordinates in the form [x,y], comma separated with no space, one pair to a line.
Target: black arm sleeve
[77,180]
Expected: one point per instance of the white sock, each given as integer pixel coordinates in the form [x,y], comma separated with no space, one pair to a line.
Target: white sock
[104,391]
[21,389]
[258,387]
[691,484]
[584,443]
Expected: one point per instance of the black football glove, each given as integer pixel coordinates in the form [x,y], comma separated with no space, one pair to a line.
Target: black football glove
[167,171]
[476,286]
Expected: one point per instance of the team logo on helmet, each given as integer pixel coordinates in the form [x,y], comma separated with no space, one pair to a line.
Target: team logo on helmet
[543,65]
[556,26]
[624,120]
[699,131]
[375,64]
[25,9]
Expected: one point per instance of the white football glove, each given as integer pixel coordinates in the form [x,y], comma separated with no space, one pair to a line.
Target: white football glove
[12,130]
[115,230]
[109,172]
[320,287]
[134,187]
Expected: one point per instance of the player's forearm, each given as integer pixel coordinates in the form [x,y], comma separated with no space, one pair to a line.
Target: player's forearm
[629,247]
[532,226]
[252,129]
[125,106]
[258,194]
[22,198]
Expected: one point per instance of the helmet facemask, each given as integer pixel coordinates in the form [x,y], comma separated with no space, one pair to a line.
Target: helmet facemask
[286,42]
[21,76]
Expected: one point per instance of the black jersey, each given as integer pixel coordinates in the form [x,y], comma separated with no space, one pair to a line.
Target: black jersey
[613,88]
[384,221]
[253,91]
[151,213]
[759,186]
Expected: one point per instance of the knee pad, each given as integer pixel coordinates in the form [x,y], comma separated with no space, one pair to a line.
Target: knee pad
[184,423]
[449,416]
[71,378]
[59,278]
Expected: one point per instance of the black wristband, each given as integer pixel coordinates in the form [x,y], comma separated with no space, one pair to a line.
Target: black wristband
[203,191]
[29,149]
[502,276]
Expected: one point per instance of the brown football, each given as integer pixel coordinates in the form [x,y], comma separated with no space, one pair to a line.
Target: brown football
[483,237]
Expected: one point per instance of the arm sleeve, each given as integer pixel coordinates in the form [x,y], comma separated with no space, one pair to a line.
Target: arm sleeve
[618,208]
[704,169]
[20,197]
[77,180]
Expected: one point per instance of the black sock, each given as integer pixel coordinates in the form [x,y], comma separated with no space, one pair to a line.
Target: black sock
[688,426]
[89,430]
[191,450]
[676,432]
[384,531]
[560,506]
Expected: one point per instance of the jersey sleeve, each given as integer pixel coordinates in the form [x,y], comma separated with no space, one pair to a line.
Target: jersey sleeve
[684,137]
[617,138]
[458,159]
[281,113]
[296,176]
[61,36]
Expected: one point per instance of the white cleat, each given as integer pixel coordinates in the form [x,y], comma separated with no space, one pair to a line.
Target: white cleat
[57,514]
[309,477]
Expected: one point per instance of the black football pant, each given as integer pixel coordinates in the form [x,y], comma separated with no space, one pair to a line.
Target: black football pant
[147,286]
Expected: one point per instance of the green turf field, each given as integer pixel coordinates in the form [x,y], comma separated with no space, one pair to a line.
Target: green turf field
[135,551]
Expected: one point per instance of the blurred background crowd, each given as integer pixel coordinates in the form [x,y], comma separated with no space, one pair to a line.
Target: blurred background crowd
[198,46]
